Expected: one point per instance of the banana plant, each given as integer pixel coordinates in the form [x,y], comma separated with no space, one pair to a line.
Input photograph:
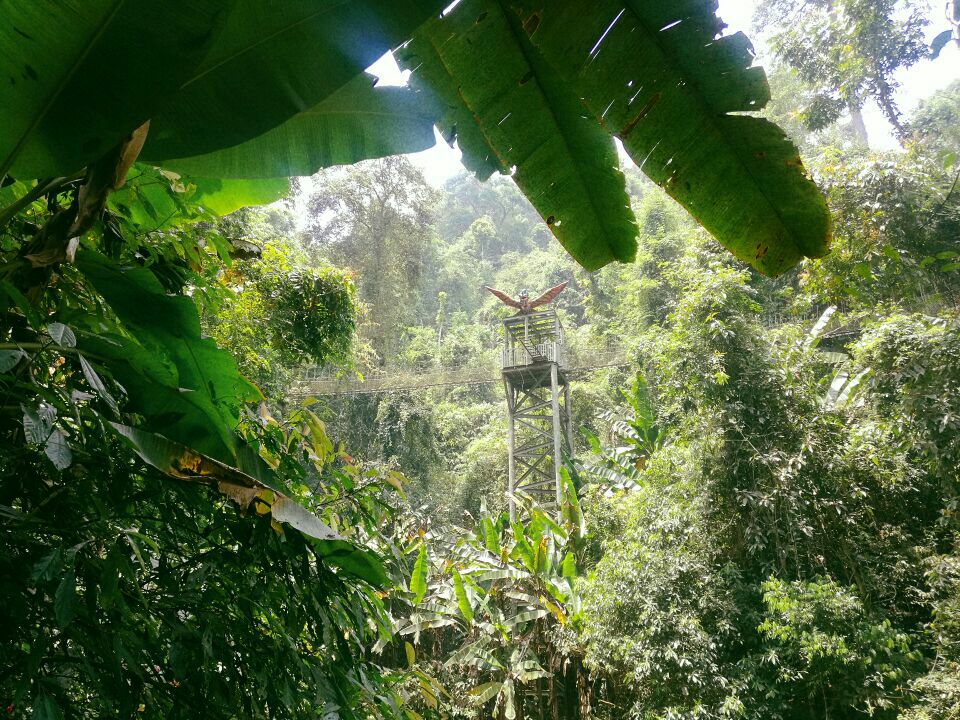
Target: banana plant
[493,598]
[636,434]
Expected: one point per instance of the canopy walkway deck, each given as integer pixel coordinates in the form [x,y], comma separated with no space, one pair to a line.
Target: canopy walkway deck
[314,382]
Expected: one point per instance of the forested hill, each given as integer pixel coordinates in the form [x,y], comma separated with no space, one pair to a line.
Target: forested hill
[420,257]
[769,486]
[761,512]
[760,515]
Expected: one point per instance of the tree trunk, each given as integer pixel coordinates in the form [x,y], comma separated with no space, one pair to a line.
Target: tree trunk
[583,692]
[858,126]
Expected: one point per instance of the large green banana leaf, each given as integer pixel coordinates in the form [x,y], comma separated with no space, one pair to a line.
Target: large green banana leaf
[273,61]
[480,68]
[654,74]
[357,122]
[76,76]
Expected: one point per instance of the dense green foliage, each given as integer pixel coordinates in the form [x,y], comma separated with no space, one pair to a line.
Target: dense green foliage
[281,311]
[770,502]
[760,517]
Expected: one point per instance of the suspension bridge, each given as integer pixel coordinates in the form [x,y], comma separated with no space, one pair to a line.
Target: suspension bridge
[316,382]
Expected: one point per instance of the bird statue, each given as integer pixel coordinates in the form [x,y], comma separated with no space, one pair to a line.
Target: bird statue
[524,304]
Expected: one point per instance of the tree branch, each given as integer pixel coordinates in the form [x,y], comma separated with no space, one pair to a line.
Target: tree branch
[9,212]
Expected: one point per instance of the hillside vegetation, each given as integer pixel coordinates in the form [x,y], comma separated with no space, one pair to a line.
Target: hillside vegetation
[206,210]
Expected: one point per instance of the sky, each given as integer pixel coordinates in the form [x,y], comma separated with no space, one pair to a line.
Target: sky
[441,161]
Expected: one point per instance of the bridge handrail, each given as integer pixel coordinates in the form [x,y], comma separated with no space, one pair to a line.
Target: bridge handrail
[409,379]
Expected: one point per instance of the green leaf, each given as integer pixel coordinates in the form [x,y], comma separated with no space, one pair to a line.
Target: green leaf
[62,335]
[439,92]
[527,119]
[939,43]
[271,62]
[572,512]
[463,602]
[499,574]
[542,525]
[154,199]
[200,407]
[815,333]
[57,450]
[224,196]
[178,460]
[476,656]
[569,566]
[38,423]
[526,616]
[522,548]
[509,710]
[352,560]
[411,654]
[181,462]
[47,566]
[9,359]
[80,76]
[9,194]
[96,383]
[491,539]
[184,463]
[655,75]
[46,708]
[418,580]
[133,366]
[286,510]
[357,122]
[18,298]
[63,599]
[485,692]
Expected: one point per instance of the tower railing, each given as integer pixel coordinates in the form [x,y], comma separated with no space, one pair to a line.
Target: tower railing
[521,355]
[533,338]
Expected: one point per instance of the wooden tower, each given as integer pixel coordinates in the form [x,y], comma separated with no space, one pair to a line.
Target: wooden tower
[539,433]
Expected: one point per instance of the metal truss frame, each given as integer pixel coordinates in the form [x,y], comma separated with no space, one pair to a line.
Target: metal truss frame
[539,432]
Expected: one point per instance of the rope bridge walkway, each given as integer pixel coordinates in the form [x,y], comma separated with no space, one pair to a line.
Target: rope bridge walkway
[315,382]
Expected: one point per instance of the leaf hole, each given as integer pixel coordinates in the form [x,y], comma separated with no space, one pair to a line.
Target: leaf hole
[531,24]
[596,45]
[449,8]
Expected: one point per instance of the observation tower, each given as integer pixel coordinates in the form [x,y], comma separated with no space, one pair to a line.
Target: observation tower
[539,432]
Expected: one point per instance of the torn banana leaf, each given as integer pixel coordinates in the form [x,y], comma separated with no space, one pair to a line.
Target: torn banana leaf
[510,111]
[657,75]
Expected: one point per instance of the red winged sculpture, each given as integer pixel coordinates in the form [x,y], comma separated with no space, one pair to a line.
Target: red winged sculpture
[524,304]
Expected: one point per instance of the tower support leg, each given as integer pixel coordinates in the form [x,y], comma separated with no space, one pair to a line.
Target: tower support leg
[557,437]
[511,448]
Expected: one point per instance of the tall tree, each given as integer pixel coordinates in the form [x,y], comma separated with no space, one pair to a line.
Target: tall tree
[936,121]
[848,51]
[376,218]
